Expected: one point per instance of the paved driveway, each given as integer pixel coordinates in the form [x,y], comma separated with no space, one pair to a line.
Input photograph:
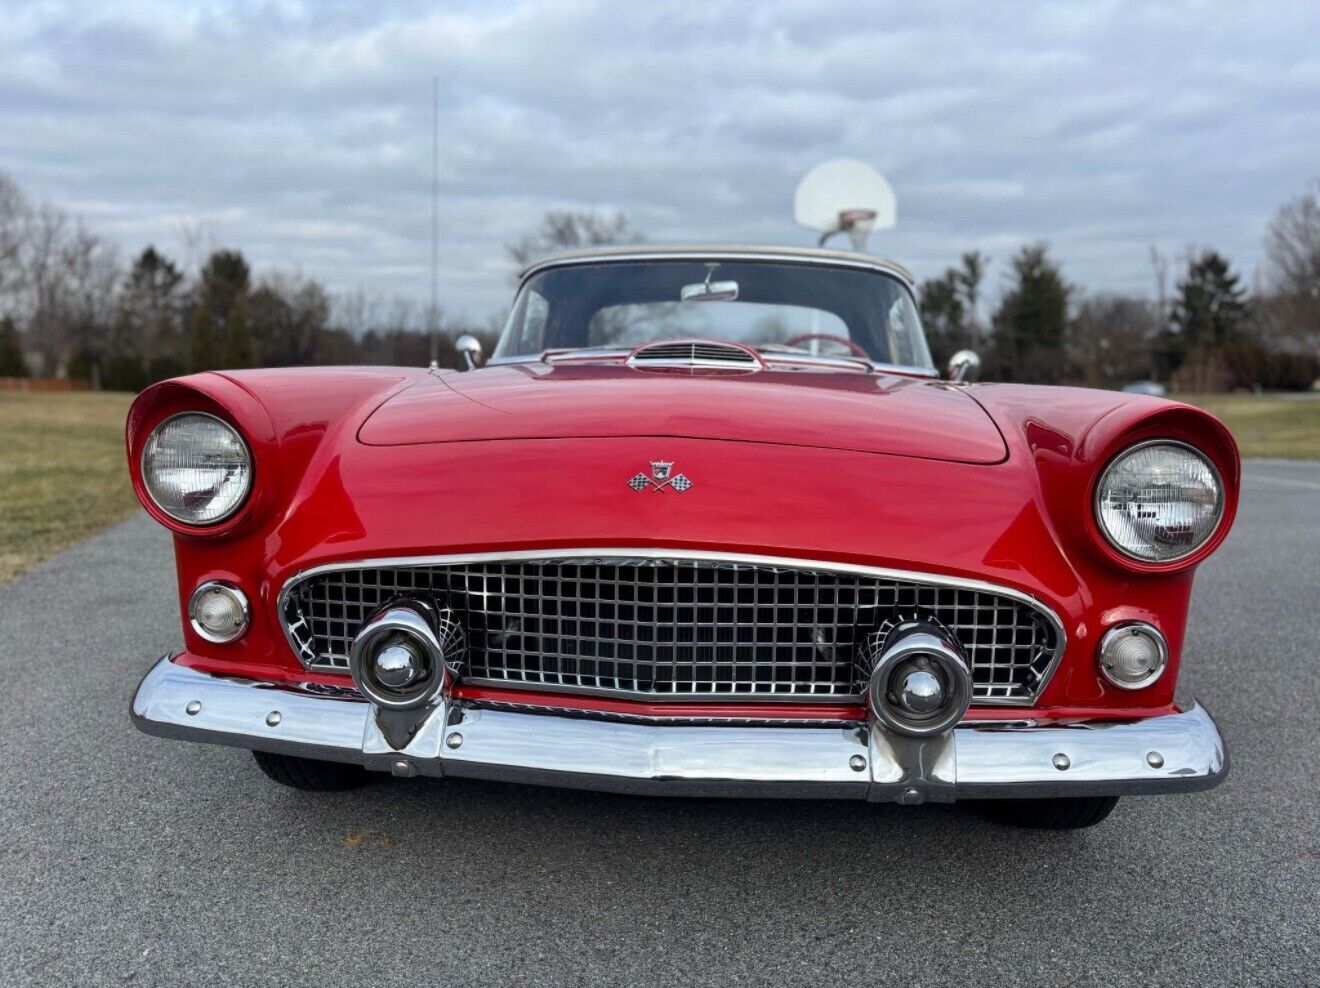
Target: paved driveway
[126,858]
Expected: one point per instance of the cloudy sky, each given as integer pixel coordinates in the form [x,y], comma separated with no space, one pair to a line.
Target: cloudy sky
[300,132]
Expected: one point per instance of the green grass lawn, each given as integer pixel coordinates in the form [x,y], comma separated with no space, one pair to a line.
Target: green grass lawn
[62,472]
[1267,425]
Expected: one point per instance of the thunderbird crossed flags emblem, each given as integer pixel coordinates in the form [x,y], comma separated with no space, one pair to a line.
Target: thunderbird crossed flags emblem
[662,476]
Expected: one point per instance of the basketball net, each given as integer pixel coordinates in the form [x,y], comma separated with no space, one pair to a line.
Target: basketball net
[857,223]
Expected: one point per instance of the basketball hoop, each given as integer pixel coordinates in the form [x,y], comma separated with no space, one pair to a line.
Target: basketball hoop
[844,196]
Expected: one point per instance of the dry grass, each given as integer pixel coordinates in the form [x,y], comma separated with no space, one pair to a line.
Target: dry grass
[62,472]
[1267,425]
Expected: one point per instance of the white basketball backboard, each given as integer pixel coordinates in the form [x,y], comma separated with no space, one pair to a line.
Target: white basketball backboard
[844,195]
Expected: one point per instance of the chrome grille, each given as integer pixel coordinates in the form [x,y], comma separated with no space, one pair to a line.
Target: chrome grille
[677,628]
[694,353]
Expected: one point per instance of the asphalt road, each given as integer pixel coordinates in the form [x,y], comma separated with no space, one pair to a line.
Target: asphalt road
[125,858]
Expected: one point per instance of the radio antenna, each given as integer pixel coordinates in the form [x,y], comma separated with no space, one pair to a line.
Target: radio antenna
[433,313]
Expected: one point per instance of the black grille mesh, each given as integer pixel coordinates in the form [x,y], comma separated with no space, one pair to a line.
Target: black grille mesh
[681,629]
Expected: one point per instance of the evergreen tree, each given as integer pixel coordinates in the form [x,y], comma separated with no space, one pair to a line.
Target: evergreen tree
[239,351]
[203,353]
[12,363]
[224,279]
[949,305]
[1210,310]
[148,328]
[1032,321]
[943,316]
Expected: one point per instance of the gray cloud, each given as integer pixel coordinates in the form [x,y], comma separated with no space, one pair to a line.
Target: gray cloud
[300,132]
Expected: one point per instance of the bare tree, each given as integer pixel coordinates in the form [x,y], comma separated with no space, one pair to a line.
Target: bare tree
[197,241]
[1293,270]
[968,280]
[1109,339]
[356,310]
[564,229]
[67,282]
[1160,266]
[14,217]
[41,298]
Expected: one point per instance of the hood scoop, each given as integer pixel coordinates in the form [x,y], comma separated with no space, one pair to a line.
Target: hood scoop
[695,354]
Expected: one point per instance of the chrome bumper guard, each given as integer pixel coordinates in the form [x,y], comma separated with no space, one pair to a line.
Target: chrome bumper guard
[1180,752]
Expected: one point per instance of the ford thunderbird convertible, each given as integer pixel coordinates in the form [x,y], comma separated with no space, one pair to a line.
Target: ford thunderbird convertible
[708,523]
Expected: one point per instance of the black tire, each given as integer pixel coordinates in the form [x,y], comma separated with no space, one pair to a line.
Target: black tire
[1072,813]
[310,775]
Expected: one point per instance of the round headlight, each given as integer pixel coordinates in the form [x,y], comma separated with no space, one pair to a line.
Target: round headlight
[1159,502]
[196,468]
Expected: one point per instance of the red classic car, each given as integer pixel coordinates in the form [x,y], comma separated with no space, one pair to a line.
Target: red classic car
[707,523]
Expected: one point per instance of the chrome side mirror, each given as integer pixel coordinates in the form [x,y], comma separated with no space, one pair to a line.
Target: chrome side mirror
[470,347]
[964,365]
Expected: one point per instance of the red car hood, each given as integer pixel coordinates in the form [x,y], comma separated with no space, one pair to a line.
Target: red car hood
[832,410]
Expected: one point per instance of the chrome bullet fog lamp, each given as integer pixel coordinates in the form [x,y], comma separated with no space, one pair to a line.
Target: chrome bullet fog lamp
[218,611]
[398,665]
[920,691]
[920,681]
[403,657]
[1132,656]
[196,468]
[1159,502]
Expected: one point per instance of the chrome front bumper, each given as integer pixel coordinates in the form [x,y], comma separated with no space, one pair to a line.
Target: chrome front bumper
[1180,752]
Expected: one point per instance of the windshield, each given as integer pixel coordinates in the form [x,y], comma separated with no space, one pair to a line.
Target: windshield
[775,307]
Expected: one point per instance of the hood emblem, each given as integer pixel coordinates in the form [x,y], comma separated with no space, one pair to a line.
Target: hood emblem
[662,476]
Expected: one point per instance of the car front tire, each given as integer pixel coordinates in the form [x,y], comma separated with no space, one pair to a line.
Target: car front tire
[310,775]
[1073,813]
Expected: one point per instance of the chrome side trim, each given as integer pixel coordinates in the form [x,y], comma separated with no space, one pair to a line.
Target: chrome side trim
[629,552]
[1179,752]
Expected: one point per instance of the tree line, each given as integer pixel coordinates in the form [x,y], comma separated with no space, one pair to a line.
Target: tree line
[70,307]
[1209,333]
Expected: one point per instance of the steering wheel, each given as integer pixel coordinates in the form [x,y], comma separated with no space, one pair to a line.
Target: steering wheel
[805,337]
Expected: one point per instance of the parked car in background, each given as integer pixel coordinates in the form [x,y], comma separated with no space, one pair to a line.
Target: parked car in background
[708,523]
[1152,388]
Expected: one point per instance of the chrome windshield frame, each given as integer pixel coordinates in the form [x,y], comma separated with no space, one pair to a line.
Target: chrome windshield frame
[780,255]
[588,354]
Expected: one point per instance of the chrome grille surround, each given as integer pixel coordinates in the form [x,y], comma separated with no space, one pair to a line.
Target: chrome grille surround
[669,624]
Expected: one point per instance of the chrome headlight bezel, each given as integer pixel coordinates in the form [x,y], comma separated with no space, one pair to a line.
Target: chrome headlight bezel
[151,489]
[1118,458]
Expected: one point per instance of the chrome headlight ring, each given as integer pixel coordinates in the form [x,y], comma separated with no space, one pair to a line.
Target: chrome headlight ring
[1159,511]
[196,468]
